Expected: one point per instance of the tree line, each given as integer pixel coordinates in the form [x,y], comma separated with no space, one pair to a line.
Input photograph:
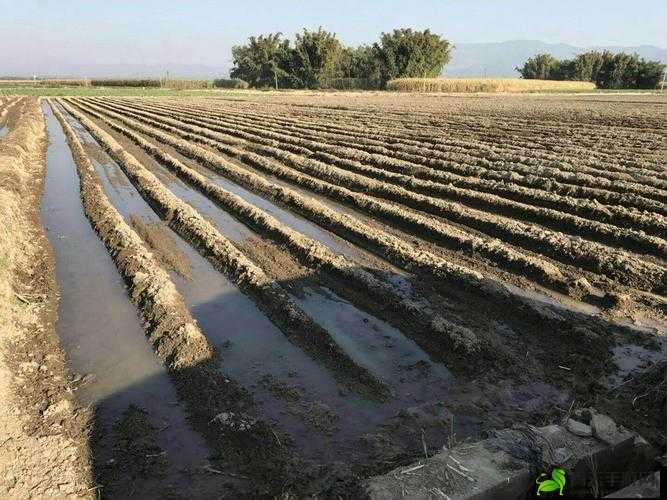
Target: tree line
[317,59]
[604,68]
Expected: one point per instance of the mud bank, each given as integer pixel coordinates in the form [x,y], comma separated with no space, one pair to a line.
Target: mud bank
[43,432]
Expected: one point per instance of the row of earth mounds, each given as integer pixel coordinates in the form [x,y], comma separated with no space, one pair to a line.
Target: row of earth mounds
[459,157]
[572,348]
[219,408]
[619,265]
[441,333]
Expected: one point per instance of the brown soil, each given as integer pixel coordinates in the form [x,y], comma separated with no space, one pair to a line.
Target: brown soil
[477,205]
[43,429]
[164,247]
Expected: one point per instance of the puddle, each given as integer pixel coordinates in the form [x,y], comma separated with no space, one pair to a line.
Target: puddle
[632,357]
[292,390]
[564,302]
[97,324]
[4,130]
[377,346]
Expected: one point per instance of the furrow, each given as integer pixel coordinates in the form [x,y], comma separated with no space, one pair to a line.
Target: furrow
[616,264]
[485,165]
[274,302]
[389,247]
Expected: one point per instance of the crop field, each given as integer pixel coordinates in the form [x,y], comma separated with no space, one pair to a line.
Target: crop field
[486,85]
[285,294]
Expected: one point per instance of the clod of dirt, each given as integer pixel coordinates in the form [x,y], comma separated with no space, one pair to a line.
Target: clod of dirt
[234,422]
[604,428]
[618,303]
[578,428]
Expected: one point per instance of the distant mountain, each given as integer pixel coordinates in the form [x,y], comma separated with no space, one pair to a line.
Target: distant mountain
[499,59]
[468,59]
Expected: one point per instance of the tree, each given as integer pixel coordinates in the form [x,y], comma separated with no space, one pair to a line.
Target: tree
[563,70]
[620,72]
[315,58]
[649,74]
[264,62]
[405,53]
[606,69]
[539,67]
[361,63]
[589,65]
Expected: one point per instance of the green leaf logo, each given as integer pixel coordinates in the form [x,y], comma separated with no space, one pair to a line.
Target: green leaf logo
[557,482]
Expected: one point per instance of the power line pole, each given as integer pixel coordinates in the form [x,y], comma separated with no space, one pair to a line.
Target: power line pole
[662,84]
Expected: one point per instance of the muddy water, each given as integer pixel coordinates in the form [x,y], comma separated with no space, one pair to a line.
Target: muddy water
[292,390]
[97,324]
[4,130]
[377,346]
[392,274]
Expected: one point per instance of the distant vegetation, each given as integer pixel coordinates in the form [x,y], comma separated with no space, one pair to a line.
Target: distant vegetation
[317,59]
[485,85]
[230,83]
[606,69]
[174,84]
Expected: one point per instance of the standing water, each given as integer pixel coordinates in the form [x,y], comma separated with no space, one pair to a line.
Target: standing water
[101,333]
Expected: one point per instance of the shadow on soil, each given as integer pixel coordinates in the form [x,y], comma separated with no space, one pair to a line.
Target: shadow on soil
[268,418]
[285,425]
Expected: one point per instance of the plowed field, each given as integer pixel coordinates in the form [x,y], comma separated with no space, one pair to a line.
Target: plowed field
[333,285]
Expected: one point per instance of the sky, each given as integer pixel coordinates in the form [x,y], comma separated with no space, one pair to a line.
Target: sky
[44,35]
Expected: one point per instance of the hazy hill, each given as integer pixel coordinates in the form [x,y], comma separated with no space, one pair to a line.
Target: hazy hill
[500,59]
[469,59]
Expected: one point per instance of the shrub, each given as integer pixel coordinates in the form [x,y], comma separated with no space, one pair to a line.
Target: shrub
[130,82]
[230,83]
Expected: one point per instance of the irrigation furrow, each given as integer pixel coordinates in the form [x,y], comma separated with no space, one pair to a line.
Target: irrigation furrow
[425,125]
[613,214]
[489,135]
[313,253]
[487,295]
[384,138]
[275,303]
[391,248]
[434,169]
[616,264]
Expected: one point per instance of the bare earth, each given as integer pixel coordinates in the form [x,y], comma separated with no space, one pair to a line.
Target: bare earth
[336,283]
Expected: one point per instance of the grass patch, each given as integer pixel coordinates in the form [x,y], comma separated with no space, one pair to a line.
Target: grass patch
[63,91]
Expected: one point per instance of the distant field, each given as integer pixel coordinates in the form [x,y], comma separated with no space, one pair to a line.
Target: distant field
[71,88]
[106,91]
[486,85]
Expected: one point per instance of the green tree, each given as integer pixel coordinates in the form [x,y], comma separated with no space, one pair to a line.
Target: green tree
[563,70]
[405,53]
[649,74]
[316,58]
[263,62]
[539,67]
[589,65]
[361,63]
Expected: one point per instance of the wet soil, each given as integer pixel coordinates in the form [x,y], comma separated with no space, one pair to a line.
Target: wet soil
[334,436]
[104,340]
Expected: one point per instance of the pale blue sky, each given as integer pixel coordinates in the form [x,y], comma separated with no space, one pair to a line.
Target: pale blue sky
[49,33]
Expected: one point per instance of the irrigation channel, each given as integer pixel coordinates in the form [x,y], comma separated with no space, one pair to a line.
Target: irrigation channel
[332,360]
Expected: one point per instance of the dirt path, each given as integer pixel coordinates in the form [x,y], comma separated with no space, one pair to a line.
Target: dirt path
[43,435]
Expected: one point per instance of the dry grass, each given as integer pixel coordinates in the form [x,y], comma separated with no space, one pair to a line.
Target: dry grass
[485,85]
